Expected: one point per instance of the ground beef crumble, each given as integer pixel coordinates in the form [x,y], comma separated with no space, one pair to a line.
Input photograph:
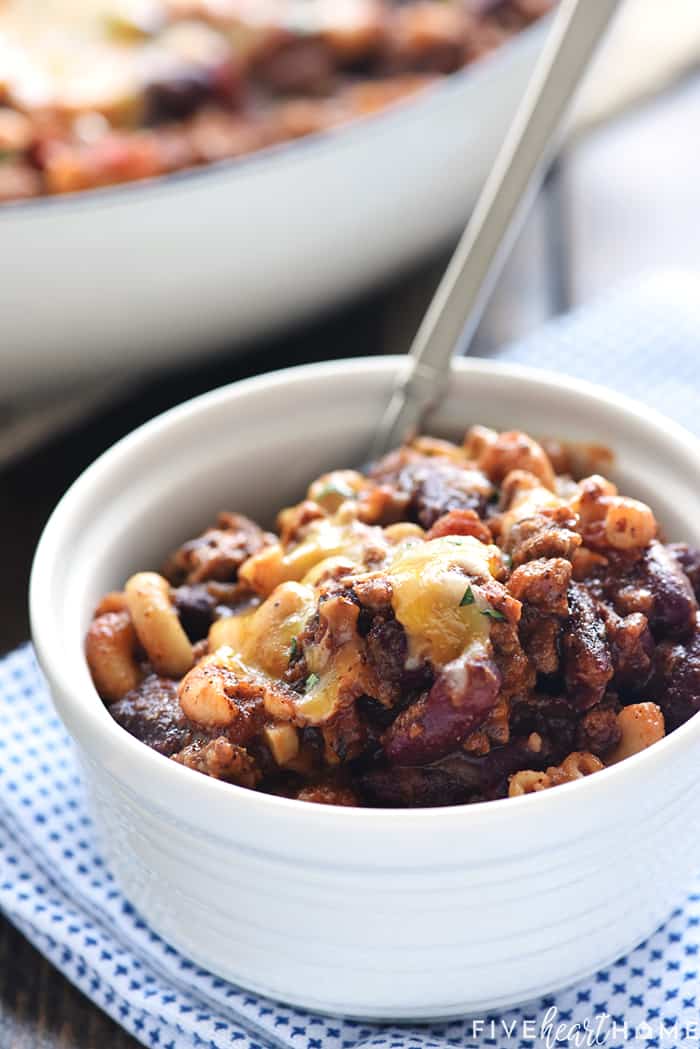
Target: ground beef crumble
[459,624]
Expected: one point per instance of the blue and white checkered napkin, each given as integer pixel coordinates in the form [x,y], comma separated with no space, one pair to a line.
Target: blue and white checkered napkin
[54,886]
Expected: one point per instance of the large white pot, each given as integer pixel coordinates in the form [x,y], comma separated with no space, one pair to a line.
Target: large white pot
[120,280]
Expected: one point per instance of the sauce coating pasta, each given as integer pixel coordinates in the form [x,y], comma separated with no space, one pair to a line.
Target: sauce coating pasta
[462,623]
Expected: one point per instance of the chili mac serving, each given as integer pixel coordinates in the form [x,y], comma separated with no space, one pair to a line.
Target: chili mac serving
[97,92]
[461,623]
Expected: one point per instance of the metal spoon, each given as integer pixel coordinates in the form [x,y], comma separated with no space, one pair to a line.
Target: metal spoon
[457,306]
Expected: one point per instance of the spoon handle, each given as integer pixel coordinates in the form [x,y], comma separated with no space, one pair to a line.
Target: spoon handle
[457,306]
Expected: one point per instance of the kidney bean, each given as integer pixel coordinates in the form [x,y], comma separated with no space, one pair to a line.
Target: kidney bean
[455,779]
[433,486]
[195,607]
[176,96]
[460,699]
[688,557]
[676,685]
[588,665]
[675,605]
[152,713]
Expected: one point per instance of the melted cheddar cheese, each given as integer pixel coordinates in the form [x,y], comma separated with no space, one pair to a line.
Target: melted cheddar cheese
[263,638]
[329,537]
[343,677]
[429,580]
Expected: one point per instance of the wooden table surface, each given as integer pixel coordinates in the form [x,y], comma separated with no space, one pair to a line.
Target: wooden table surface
[625,200]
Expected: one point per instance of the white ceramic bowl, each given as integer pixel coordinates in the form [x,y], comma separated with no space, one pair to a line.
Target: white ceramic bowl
[396,914]
[113,282]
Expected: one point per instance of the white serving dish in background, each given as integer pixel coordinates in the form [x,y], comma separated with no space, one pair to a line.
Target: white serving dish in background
[119,281]
[371,913]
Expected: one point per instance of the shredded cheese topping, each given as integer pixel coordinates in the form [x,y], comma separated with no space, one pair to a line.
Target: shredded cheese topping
[429,580]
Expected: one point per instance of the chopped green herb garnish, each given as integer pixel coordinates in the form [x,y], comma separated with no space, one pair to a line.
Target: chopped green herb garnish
[468,598]
[311,682]
[293,648]
[507,560]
